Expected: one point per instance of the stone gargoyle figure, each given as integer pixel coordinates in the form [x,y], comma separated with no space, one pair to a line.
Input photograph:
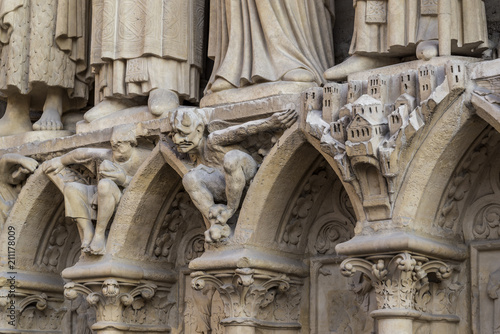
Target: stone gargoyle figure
[14,169]
[224,164]
[145,50]
[386,31]
[87,202]
[44,61]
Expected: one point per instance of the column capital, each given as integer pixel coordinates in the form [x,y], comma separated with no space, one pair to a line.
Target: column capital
[400,281]
[245,292]
[124,305]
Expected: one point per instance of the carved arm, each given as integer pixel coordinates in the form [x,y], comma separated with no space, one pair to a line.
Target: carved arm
[79,156]
[238,133]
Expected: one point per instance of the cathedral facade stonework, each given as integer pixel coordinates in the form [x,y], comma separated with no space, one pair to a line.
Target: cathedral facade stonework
[250,167]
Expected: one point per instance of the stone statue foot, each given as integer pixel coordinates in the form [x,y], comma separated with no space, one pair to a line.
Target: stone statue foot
[219,214]
[106,107]
[299,75]
[98,245]
[427,50]
[50,120]
[9,126]
[16,119]
[85,245]
[221,84]
[208,237]
[162,100]
[85,249]
[357,63]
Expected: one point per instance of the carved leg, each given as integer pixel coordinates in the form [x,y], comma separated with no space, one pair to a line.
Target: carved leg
[52,111]
[86,230]
[240,168]
[16,118]
[162,100]
[108,196]
[204,188]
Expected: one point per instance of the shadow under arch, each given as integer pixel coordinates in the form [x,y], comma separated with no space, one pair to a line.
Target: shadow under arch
[473,213]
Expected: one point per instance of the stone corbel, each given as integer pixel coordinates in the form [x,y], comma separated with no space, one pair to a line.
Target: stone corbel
[40,300]
[401,285]
[244,293]
[23,311]
[110,303]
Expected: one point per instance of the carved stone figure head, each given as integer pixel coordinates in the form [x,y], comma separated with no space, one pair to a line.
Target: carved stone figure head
[110,288]
[188,128]
[122,142]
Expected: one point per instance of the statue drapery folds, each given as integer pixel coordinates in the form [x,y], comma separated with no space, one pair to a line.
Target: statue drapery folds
[44,47]
[256,41]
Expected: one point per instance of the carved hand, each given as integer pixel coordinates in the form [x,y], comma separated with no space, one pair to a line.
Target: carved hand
[54,165]
[29,164]
[284,119]
[114,172]
[26,166]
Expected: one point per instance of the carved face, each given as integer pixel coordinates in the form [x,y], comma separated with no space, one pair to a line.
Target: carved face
[122,150]
[187,138]
[110,288]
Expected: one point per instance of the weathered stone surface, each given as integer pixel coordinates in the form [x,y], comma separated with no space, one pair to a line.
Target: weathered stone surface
[279,202]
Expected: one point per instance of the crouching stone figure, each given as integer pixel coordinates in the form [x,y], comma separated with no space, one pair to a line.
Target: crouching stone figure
[87,202]
[224,164]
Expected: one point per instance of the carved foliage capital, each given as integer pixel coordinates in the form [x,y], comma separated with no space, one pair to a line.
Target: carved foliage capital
[400,281]
[243,292]
[109,301]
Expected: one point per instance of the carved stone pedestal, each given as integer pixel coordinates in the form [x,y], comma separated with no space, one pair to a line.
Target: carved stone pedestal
[247,294]
[401,284]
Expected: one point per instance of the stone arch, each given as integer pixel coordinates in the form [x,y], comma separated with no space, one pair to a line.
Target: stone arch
[153,188]
[469,211]
[472,188]
[429,164]
[155,230]
[43,236]
[268,199]
[45,244]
